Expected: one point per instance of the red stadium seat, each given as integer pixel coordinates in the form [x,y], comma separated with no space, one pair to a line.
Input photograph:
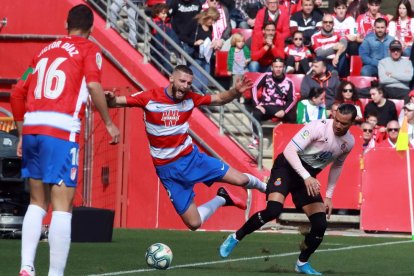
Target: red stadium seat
[356,65]
[246,33]
[364,101]
[297,81]
[221,69]
[399,104]
[361,81]
[253,76]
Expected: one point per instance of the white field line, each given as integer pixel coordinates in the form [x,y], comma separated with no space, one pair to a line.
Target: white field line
[253,258]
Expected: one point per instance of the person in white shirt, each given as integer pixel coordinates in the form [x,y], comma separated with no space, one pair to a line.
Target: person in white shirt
[402,26]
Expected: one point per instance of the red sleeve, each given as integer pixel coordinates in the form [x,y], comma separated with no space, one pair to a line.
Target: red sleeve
[139,99]
[277,51]
[93,64]
[18,99]
[200,99]
[259,21]
[257,49]
[283,22]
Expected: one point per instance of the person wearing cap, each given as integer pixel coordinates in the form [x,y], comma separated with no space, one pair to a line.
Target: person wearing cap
[395,73]
[410,100]
[374,48]
[409,113]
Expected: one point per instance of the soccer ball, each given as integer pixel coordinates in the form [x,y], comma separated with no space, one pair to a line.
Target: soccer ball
[158,256]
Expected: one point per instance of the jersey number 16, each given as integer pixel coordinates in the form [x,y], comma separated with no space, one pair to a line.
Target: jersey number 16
[50,81]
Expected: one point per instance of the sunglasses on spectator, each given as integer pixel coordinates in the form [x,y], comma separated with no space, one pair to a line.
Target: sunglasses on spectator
[298,38]
[367,130]
[393,129]
[348,90]
[327,22]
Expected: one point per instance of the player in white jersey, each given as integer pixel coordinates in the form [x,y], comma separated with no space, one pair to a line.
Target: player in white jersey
[177,161]
[48,105]
[294,171]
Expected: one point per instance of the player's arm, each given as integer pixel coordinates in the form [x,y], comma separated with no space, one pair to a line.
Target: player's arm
[115,101]
[242,84]
[98,98]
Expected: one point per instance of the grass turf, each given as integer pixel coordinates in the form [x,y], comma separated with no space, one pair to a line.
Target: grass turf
[196,253]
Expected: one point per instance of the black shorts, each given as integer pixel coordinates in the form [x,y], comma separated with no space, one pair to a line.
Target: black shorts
[284,179]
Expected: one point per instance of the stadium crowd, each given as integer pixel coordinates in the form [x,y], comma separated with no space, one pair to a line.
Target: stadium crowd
[288,40]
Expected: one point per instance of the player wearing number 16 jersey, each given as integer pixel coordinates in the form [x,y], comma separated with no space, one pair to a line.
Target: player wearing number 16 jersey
[48,106]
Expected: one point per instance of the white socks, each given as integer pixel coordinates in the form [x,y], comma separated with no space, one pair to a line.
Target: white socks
[59,241]
[208,208]
[31,231]
[255,183]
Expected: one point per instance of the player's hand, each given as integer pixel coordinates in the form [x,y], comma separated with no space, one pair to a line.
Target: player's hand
[110,98]
[242,84]
[19,147]
[328,206]
[114,132]
[313,187]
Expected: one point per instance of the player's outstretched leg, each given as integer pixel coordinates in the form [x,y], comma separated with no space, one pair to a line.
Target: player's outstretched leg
[231,199]
[272,211]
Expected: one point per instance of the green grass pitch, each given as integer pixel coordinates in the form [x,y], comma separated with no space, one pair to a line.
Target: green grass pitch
[196,253]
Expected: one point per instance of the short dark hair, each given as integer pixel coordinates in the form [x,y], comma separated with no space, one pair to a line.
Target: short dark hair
[381,20]
[346,109]
[374,2]
[268,23]
[183,68]
[320,59]
[80,17]
[339,3]
[315,92]
[278,59]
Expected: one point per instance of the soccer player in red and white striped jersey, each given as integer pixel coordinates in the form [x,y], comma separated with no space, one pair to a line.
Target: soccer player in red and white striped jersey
[48,106]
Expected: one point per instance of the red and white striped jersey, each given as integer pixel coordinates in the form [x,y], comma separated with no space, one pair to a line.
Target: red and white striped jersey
[319,40]
[365,23]
[55,89]
[166,122]
[298,53]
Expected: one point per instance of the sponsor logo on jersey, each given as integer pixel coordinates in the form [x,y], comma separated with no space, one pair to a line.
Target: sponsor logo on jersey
[170,117]
[73,172]
[305,134]
[99,60]
[278,181]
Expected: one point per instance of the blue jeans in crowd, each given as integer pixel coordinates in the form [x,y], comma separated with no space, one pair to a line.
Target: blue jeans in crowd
[255,66]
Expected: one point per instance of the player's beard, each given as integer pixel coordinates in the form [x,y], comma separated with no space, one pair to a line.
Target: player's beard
[178,94]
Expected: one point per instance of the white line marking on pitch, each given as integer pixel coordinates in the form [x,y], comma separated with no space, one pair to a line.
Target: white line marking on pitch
[251,258]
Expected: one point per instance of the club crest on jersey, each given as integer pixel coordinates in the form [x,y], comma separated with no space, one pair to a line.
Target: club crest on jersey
[343,147]
[305,134]
[73,173]
[99,60]
[278,181]
[170,117]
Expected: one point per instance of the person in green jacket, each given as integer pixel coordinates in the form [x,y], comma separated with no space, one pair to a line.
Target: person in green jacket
[238,58]
[312,108]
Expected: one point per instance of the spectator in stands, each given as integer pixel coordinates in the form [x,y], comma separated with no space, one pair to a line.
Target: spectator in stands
[345,24]
[244,13]
[272,13]
[313,108]
[298,56]
[164,53]
[380,105]
[291,6]
[307,21]
[366,22]
[183,21]
[356,8]
[392,133]
[367,137]
[411,100]
[329,45]
[115,8]
[395,73]
[402,26]
[202,43]
[238,57]
[277,97]
[222,26]
[265,48]
[379,131]
[409,112]
[347,94]
[334,109]
[374,48]
[321,78]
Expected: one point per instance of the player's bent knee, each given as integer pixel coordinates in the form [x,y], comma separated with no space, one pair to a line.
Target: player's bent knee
[272,211]
[193,226]
[318,223]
